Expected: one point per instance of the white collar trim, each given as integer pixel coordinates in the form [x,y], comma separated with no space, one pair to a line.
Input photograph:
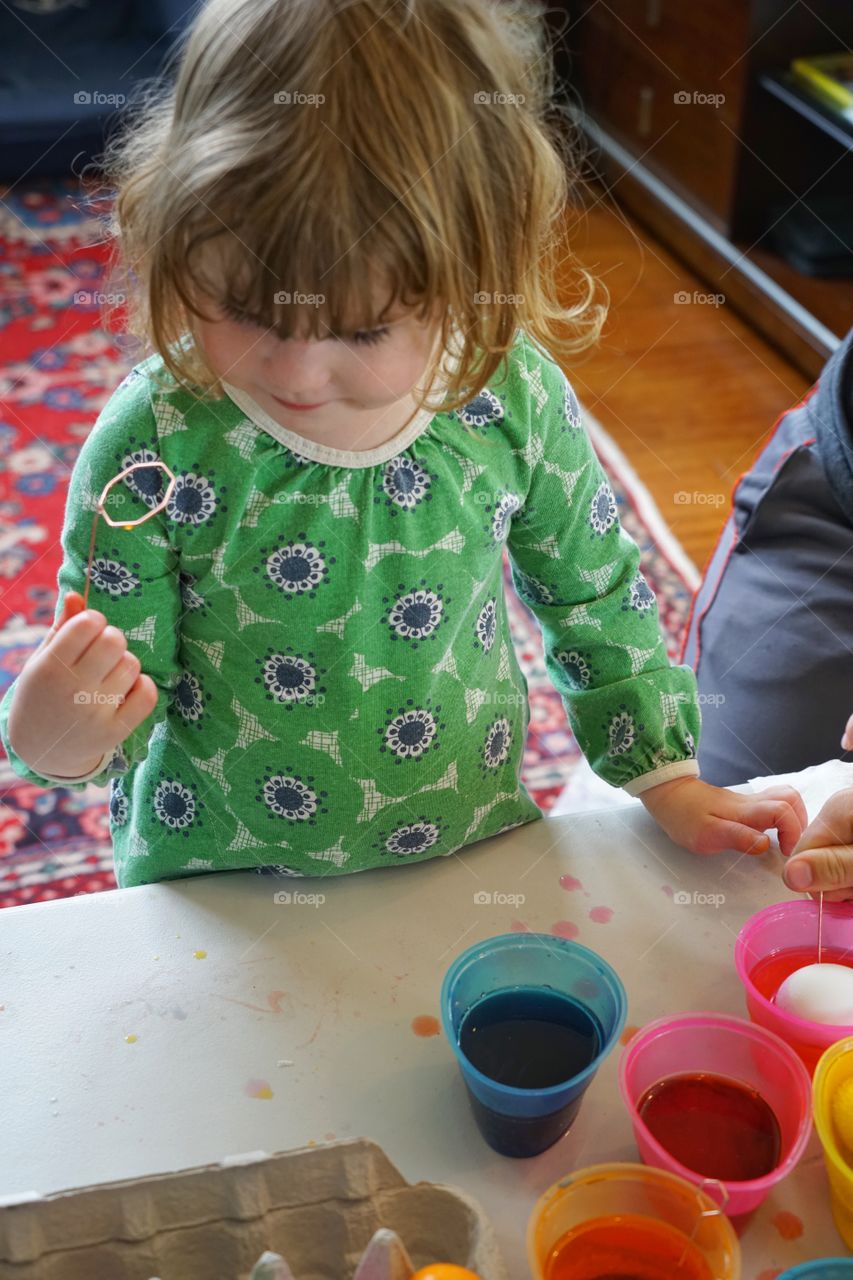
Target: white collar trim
[316,452]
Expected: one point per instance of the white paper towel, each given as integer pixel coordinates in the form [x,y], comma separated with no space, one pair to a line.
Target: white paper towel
[815,784]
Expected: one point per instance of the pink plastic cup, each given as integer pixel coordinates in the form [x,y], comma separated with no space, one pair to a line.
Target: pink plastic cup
[788,926]
[723,1046]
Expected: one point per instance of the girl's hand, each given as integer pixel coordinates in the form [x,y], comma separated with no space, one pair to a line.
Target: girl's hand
[79,695]
[823,856]
[706,819]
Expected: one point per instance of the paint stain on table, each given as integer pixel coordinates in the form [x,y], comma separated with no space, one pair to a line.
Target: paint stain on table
[426,1025]
[770,1274]
[570,883]
[130,1039]
[518,926]
[789,1226]
[668,890]
[565,929]
[601,915]
[200,955]
[628,1034]
[258,1089]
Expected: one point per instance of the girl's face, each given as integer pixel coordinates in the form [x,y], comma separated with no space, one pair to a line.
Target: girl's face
[357,385]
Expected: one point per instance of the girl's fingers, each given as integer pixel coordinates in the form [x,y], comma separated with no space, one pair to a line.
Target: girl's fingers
[138,704]
[792,797]
[72,604]
[764,815]
[725,834]
[100,658]
[76,635]
[122,677]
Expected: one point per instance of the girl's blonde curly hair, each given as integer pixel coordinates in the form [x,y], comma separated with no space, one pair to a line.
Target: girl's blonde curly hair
[320,146]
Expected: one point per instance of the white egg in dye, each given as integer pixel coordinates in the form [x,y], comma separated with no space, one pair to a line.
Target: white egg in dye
[819,993]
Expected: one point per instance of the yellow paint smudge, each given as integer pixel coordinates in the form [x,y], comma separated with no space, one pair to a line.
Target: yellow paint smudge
[200,955]
[130,1039]
[259,1089]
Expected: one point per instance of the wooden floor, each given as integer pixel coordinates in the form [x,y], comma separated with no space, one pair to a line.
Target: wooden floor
[687,389]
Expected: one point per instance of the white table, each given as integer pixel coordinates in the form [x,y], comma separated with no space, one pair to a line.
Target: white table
[333,989]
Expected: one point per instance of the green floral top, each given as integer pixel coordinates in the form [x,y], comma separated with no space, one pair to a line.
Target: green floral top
[328,632]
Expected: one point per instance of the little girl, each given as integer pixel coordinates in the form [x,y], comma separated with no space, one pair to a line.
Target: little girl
[337,211]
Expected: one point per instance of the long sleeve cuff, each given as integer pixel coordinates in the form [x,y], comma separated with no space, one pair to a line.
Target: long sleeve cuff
[82,777]
[667,772]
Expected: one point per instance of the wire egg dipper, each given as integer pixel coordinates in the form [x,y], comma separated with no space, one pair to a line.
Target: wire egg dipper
[100,510]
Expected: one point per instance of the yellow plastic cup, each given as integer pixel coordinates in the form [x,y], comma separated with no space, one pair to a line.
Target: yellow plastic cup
[605,1191]
[834,1068]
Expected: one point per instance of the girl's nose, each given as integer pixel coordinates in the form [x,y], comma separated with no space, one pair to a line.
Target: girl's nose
[298,369]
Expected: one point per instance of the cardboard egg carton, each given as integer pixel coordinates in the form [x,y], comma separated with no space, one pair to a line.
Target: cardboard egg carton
[318,1207]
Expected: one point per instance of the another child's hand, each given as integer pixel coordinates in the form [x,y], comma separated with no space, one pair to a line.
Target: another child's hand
[823,857]
[706,819]
[79,695]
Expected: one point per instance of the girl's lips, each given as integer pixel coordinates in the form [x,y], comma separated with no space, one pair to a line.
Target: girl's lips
[289,405]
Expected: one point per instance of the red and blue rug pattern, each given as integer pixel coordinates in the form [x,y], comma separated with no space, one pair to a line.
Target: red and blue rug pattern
[59,366]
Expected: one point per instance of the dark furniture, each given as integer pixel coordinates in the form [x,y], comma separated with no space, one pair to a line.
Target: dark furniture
[699,128]
[68,67]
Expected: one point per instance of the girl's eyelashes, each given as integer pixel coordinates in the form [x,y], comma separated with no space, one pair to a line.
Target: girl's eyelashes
[363,337]
[368,337]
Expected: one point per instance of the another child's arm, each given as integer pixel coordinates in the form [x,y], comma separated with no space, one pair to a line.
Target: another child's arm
[119,658]
[635,715]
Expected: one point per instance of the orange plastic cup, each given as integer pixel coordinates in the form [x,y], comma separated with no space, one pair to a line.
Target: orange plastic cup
[593,1198]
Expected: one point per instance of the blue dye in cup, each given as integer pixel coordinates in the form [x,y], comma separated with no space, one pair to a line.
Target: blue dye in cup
[530,1017]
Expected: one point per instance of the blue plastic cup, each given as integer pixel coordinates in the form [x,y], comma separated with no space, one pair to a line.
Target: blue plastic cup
[530,975]
[821,1269]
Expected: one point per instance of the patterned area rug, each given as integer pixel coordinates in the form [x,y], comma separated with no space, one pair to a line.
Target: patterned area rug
[59,367]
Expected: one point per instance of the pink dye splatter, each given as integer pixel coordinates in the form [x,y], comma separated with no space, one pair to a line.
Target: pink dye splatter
[518,926]
[565,929]
[770,1274]
[570,882]
[668,890]
[601,915]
